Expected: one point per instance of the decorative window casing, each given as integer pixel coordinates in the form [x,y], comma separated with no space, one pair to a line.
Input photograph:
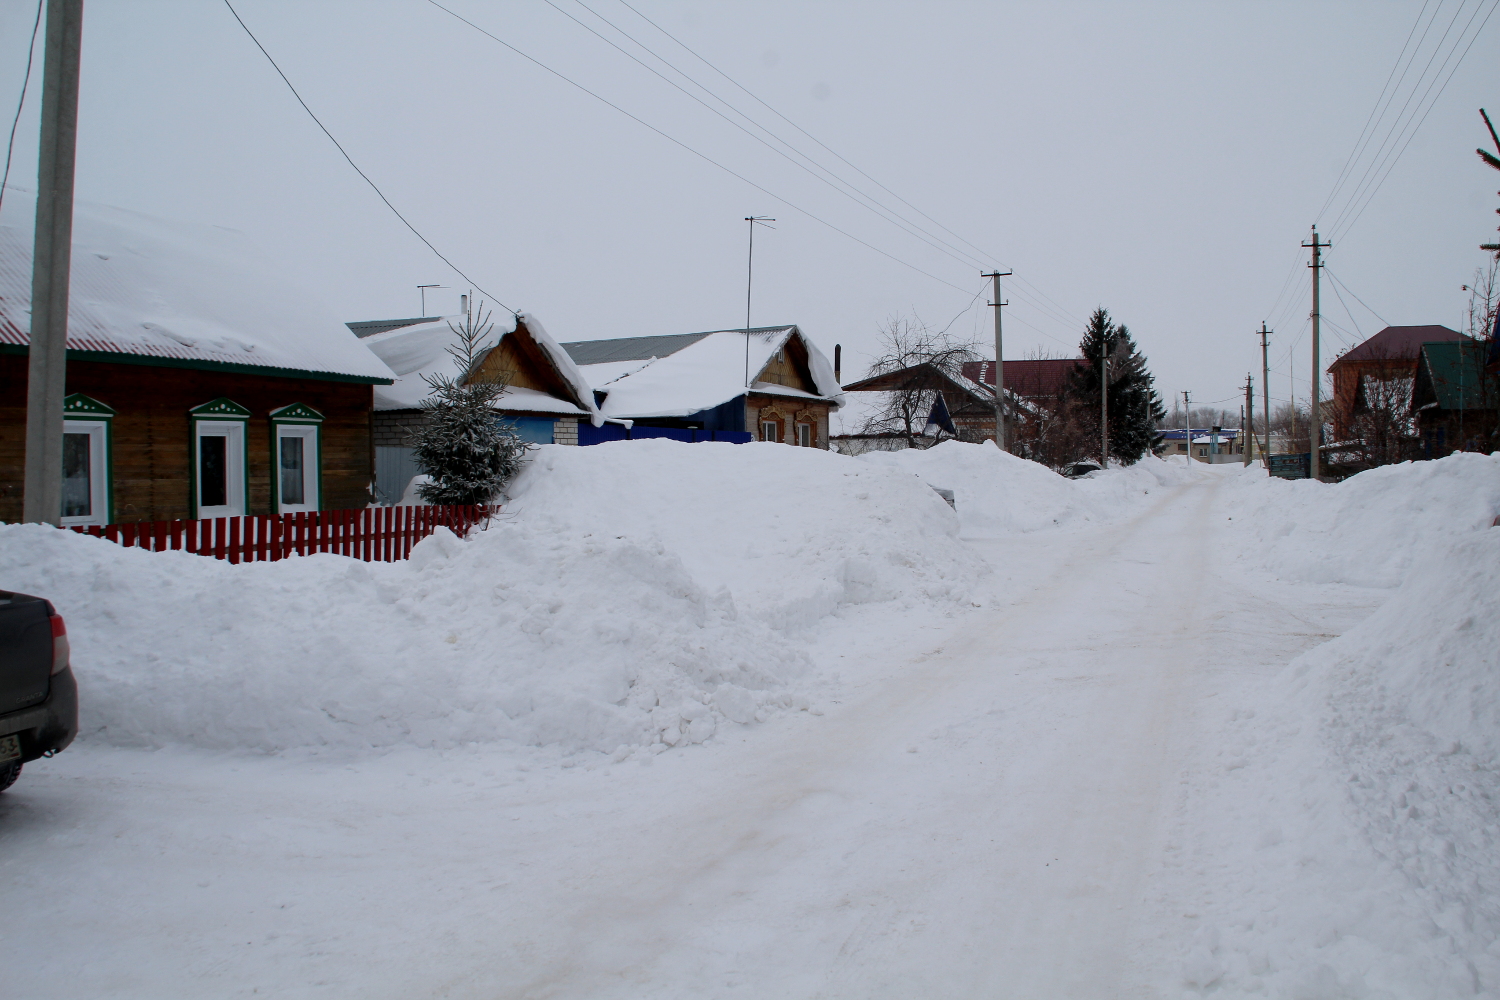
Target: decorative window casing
[772,424]
[218,480]
[296,459]
[88,453]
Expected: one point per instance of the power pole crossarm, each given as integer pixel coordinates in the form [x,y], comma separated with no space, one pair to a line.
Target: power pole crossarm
[48,354]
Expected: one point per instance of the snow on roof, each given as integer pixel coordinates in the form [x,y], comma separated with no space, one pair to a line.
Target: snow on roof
[708,370]
[418,350]
[146,286]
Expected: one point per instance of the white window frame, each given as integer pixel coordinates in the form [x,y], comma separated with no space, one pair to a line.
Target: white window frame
[99,486]
[312,465]
[235,487]
[804,440]
[774,426]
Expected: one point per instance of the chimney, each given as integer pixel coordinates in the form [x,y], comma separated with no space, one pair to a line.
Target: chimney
[838,359]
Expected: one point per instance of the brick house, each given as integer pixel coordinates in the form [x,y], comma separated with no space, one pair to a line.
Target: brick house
[1389,356]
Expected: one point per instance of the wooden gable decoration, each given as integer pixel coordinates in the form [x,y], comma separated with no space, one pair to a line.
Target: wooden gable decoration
[790,367]
[223,408]
[521,360]
[297,413]
[79,405]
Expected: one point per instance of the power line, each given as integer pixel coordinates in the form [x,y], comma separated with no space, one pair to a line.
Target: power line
[1036,297]
[361,173]
[1413,134]
[703,156]
[1363,141]
[847,190]
[25,82]
[1356,297]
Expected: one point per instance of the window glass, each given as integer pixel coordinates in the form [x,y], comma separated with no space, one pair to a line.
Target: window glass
[293,471]
[77,476]
[804,435]
[213,469]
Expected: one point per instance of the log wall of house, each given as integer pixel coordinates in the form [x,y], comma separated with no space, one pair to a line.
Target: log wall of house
[787,413]
[151,433]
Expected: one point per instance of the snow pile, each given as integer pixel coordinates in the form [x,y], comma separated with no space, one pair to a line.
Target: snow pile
[1366,530]
[1351,826]
[998,494]
[793,533]
[633,593]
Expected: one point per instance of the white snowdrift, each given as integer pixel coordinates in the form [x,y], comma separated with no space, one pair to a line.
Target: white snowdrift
[1357,795]
[631,594]
[998,494]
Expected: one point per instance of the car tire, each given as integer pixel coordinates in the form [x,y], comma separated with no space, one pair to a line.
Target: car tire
[8,774]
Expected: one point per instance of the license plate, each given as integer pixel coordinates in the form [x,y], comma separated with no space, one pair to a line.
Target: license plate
[10,748]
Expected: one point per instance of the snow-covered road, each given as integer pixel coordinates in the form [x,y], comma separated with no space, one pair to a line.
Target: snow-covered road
[989,808]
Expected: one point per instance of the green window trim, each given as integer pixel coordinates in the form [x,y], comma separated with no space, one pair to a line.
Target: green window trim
[87,410]
[219,411]
[296,415]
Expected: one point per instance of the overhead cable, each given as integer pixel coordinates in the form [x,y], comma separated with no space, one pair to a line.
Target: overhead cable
[373,186]
[25,82]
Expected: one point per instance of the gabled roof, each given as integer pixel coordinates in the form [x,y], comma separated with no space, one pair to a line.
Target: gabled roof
[414,351]
[926,376]
[1030,379]
[699,372]
[1451,375]
[189,295]
[1396,343]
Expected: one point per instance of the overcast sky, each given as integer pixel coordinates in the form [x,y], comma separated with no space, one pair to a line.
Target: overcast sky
[1161,160]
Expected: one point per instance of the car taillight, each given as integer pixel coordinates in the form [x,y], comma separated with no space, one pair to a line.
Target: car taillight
[60,649]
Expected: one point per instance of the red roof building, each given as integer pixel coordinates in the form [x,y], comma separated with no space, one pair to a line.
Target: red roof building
[1390,354]
[1041,378]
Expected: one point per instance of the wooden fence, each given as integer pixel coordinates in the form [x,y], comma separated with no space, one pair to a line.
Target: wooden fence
[375,534]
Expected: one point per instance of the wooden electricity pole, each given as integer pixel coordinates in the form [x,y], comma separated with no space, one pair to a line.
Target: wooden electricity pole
[1265,389]
[1001,439]
[1248,434]
[46,371]
[1315,430]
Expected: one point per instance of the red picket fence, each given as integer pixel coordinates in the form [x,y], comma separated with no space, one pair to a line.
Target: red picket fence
[375,534]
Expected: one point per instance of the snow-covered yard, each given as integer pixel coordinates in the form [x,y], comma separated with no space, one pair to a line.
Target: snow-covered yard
[661,732]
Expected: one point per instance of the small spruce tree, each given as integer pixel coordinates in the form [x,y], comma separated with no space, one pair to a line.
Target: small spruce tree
[465,449]
[1135,409]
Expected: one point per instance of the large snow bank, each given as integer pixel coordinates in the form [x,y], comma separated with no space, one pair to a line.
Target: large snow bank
[1357,793]
[633,593]
[998,494]
[1366,530]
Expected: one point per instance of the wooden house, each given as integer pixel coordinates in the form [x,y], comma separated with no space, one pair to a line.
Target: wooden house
[201,382]
[765,384]
[1455,399]
[970,406]
[546,399]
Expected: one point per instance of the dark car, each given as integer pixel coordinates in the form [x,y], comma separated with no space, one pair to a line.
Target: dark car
[38,696]
[1079,469]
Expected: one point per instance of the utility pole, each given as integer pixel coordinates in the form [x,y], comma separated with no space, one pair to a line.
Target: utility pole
[1001,441]
[1265,388]
[1315,431]
[1249,432]
[1187,420]
[46,373]
[1104,404]
[754,220]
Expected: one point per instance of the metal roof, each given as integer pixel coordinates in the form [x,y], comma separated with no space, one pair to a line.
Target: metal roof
[595,352]
[370,327]
[1452,376]
[1396,343]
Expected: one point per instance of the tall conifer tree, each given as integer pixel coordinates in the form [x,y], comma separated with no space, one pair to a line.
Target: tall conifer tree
[1135,408]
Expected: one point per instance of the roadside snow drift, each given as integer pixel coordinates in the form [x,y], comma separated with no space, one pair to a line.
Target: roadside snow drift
[629,594]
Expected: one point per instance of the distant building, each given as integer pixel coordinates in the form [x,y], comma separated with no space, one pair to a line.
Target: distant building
[970,407]
[545,402]
[1389,357]
[1209,446]
[1031,379]
[1455,399]
[202,382]
[768,384]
